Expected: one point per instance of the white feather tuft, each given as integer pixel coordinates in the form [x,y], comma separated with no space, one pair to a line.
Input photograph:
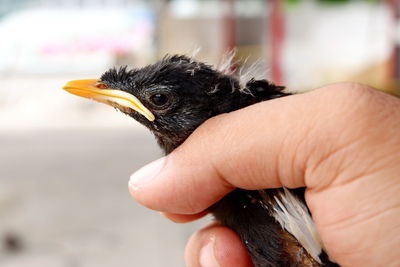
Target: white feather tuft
[293,216]
[254,71]
[227,63]
[244,73]
[194,51]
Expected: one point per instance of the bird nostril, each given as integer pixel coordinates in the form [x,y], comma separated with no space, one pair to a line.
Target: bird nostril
[101,86]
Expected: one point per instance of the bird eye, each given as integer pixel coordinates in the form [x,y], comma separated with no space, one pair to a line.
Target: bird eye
[159,99]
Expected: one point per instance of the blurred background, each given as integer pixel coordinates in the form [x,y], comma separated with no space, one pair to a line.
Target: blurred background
[65,161]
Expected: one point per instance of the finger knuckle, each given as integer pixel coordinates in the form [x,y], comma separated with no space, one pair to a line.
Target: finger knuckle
[348,91]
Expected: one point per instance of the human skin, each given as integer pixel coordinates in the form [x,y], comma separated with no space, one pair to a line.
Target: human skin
[341,142]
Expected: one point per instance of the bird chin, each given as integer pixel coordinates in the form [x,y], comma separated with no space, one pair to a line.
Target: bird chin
[138,117]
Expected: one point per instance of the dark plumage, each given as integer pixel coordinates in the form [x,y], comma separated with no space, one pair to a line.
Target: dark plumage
[181,94]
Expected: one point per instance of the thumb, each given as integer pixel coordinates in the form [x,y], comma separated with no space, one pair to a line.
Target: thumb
[266,145]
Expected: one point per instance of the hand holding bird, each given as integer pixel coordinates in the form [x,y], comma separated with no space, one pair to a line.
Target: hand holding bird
[351,171]
[295,141]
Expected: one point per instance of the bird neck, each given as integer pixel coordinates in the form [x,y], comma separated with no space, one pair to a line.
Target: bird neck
[167,144]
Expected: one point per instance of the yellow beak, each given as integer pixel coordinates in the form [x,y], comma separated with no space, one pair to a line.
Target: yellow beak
[98,91]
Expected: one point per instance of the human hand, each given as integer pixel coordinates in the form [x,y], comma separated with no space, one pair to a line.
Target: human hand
[340,142]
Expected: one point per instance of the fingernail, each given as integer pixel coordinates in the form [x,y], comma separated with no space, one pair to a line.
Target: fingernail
[207,256]
[146,174]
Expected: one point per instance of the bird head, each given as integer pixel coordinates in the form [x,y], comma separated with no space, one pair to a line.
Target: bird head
[173,96]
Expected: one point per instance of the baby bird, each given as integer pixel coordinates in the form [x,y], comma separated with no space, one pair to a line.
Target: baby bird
[172,98]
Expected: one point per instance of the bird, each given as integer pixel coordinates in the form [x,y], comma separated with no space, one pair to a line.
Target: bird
[173,97]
